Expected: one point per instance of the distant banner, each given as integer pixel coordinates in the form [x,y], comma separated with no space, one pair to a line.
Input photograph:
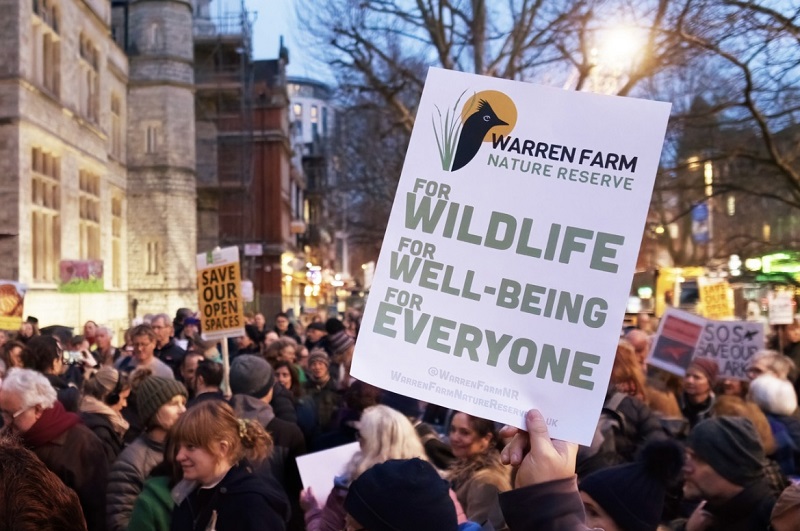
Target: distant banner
[673,347]
[683,336]
[781,307]
[81,276]
[219,293]
[716,298]
[12,299]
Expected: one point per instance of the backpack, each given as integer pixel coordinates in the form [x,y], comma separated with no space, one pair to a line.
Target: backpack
[604,450]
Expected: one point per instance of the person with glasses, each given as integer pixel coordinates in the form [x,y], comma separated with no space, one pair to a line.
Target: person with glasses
[770,362]
[30,410]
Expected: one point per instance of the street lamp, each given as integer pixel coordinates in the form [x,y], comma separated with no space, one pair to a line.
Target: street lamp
[708,178]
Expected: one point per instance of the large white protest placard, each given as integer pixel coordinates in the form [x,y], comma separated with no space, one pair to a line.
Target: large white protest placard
[319,469]
[683,336]
[508,258]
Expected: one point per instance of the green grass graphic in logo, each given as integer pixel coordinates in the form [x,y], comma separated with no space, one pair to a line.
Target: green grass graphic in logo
[448,131]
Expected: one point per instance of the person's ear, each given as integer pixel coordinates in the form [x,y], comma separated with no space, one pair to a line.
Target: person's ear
[224,448]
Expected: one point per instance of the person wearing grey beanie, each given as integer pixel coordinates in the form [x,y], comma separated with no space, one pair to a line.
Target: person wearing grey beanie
[159,403]
[253,387]
[724,471]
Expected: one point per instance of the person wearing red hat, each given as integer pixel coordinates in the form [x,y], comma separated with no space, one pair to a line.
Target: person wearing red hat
[698,398]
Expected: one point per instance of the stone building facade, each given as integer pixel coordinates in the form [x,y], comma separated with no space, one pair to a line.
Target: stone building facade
[97,156]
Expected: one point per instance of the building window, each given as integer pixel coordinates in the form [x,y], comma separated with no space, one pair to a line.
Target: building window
[116,126]
[116,240]
[766,232]
[89,103]
[89,215]
[151,138]
[297,111]
[314,122]
[45,215]
[153,259]
[46,46]
[155,37]
[324,121]
[731,205]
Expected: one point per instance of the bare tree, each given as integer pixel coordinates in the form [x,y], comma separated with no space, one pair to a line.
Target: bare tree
[741,57]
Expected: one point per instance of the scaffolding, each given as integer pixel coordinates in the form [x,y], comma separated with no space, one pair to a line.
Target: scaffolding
[224,113]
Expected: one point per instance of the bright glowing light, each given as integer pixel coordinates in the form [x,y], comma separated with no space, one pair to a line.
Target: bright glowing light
[620,45]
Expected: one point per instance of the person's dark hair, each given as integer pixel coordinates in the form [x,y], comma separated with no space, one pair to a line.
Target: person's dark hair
[282,314]
[334,325]
[23,479]
[484,427]
[211,371]
[5,352]
[75,341]
[296,389]
[40,352]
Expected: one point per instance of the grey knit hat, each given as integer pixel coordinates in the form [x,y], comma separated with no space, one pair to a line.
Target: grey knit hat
[319,354]
[730,445]
[153,392]
[251,375]
[339,342]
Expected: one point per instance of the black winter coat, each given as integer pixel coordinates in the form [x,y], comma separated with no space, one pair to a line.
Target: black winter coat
[242,501]
[102,427]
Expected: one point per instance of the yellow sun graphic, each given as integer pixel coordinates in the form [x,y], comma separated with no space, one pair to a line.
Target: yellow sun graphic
[503,107]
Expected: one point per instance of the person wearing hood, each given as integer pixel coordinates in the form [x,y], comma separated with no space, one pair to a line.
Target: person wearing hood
[64,444]
[252,384]
[220,490]
[105,395]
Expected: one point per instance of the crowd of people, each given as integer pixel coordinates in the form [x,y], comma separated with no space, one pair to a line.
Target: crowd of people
[149,433]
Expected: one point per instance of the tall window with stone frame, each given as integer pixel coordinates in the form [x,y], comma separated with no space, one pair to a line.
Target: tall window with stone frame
[153,257]
[89,215]
[89,63]
[116,127]
[46,56]
[45,215]
[116,240]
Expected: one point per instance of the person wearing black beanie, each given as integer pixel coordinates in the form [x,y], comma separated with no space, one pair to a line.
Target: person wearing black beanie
[630,497]
[724,471]
[405,494]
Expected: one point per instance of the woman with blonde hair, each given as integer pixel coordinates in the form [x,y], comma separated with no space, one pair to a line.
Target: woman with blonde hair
[219,490]
[383,434]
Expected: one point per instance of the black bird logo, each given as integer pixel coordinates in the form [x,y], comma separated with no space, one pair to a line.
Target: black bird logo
[472,133]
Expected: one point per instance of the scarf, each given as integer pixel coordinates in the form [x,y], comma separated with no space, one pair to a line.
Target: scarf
[53,422]
[90,404]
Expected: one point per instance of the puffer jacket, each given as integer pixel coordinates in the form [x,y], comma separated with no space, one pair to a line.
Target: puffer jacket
[126,479]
